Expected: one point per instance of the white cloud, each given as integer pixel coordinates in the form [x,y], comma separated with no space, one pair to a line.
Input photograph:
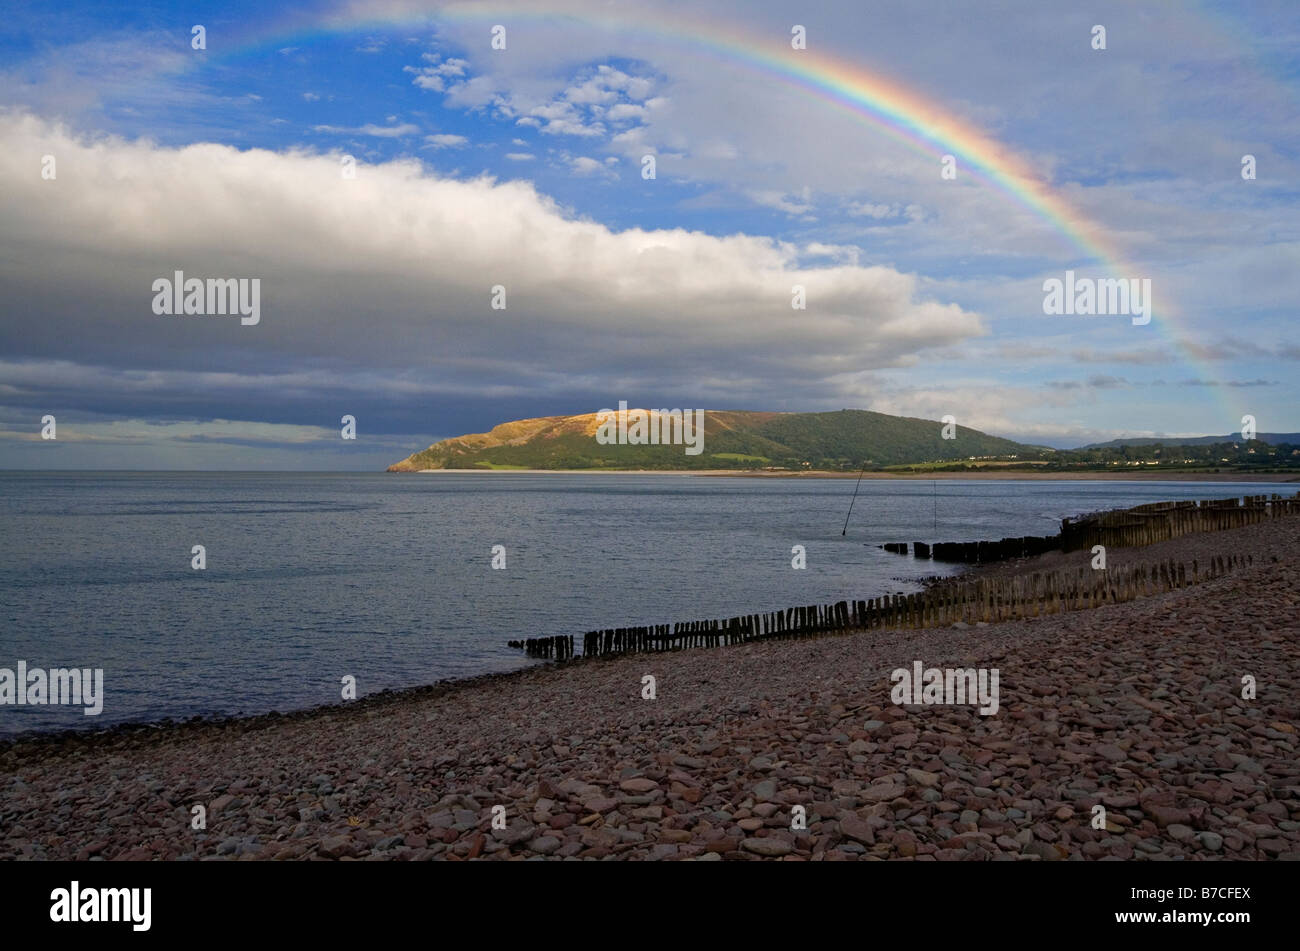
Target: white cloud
[868,210]
[520,156]
[626,110]
[790,204]
[378,131]
[582,165]
[446,140]
[594,97]
[436,75]
[563,118]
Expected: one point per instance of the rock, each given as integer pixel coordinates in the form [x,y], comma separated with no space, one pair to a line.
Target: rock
[1211,840]
[1045,851]
[765,790]
[1167,815]
[882,792]
[767,847]
[1180,832]
[923,778]
[638,786]
[603,837]
[476,846]
[1112,752]
[337,847]
[545,844]
[1272,846]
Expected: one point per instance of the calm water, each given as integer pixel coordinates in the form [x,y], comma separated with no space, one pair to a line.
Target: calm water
[388,578]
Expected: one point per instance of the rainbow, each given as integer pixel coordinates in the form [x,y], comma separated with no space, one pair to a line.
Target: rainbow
[886,105]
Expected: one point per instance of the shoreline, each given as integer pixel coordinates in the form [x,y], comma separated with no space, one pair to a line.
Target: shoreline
[1007,475]
[1129,705]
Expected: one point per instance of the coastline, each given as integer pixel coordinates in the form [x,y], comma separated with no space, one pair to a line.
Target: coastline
[1000,475]
[1111,705]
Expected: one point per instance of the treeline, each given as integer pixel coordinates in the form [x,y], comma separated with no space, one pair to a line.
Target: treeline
[1243,454]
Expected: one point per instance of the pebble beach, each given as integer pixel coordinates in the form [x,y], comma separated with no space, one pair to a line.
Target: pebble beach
[779,750]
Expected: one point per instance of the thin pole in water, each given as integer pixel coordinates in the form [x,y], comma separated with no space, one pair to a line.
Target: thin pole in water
[854,499]
[935,485]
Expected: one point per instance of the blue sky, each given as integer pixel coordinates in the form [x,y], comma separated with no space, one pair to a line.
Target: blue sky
[522,167]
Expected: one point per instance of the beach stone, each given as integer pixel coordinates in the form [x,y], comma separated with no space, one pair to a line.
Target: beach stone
[601,838]
[765,790]
[337,847]
[767,847]
[1211,840]
[1167,815]
[881,792]
[857,829]
[922,777]
[545,844]
[1045,851]
[638,786]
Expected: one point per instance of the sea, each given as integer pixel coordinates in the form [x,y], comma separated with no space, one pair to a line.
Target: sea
[389,579]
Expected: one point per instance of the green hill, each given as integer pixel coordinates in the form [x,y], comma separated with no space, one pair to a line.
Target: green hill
[847,439]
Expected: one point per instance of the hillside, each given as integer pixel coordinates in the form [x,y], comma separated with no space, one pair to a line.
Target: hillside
[1273,439]
[846,439]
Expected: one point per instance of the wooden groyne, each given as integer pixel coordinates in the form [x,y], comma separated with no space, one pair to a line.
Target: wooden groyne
[1161,521]
[559,647]
[973,553]
[1124,528]
[986,600]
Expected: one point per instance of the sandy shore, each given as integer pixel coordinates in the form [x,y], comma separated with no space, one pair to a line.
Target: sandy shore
[1136,707]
